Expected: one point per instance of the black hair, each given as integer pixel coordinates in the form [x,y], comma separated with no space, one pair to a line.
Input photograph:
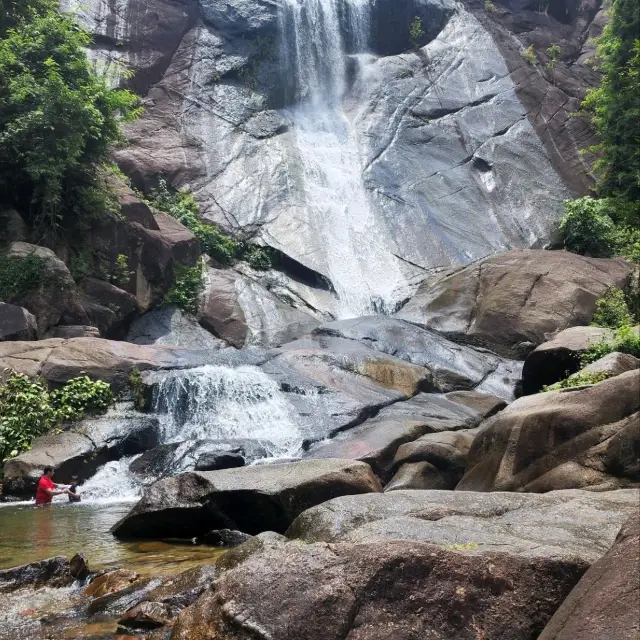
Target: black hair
[47,469]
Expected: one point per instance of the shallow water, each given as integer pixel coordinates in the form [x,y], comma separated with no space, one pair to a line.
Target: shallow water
[29,533]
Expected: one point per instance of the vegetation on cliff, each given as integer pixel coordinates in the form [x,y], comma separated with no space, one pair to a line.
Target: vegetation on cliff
[609,225]
[58,117]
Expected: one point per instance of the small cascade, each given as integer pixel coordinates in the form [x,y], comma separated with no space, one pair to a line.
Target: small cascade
[222,403]
[113,482]
[315,38]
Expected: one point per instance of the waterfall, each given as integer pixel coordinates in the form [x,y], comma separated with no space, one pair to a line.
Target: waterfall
[318,39]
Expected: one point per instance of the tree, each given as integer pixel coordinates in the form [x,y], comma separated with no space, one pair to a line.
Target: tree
[615,105]
[58,118]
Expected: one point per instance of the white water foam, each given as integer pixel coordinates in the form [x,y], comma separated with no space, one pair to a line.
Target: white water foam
[366,276]
[112,483]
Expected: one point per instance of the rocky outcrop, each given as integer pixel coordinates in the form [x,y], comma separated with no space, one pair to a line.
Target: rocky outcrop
[55,300]
[485,404]
[434,461]
[583,437]
[515,300]
[108,307]
[399,590]
[239,309]
[560,357]
[59,360]
[52,572]
[606,601]
[577,524]
[613,364]
[376,440]
[16,323]
[81,450]
[249,499]
[452,366]
[172,327]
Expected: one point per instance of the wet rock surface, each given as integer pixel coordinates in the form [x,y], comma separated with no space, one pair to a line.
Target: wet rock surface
[52,572]
[583,437]
[606,601]
[403,590]
[521,296]
[248,499]
[560,524]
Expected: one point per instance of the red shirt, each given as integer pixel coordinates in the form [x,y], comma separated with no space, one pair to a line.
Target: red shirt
[42,497]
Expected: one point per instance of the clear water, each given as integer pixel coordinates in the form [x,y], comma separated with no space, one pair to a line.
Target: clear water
[365,274]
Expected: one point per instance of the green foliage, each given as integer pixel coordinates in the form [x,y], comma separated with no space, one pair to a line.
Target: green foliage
[57,116]
[612,310]
[602,228]
[529,54]
[20,275]
[222,247]
[28,409]
[626,340]
[187,288]
[553,52]
[121,273]
[614,107]
[137,389]
[578,380]
[416,32]
[490,7]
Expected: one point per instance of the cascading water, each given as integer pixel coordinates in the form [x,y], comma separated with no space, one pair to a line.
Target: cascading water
[314,39]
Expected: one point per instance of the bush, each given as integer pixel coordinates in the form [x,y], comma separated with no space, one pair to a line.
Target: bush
[587,228]
[626,340]
[58,118]
[28,409]
[187,288]
[20,275]
[416,32]
[612,310]
[529,54]
[578,380]
[489,6]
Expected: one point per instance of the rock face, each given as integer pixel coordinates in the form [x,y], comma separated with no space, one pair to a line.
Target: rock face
[559,357]
[584,437]
[52,572]
[399,590]
[81,450]
[221,100]
[517,297]
[376,440]
[606,601]
[16,323]
[577,524]
[452,366]
[613,364]
[249,499]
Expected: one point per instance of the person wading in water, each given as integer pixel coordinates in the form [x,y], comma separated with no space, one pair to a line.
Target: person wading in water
[47,488]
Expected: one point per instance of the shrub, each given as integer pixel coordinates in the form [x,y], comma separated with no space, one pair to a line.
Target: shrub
[416,32]
[20,275]
[529,54]
[612,310]
[578,380]
[28,409]
[626,340]
[587,228]
[490,7]
[187,288]
[58,118]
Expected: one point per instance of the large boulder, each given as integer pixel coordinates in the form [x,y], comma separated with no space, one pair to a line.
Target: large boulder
[613,364]
[81,450]
[249,499]
[16,323]
[606,601]
[109,308]
[376,440]
[559,357]
[582,437]
[399,590]
[53,572]
[452,366]
[172,327]
[434,461]
[55,300]
[569,525]
[515,298]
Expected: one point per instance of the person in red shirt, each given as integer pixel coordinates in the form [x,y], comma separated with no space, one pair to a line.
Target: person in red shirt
[47,488]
